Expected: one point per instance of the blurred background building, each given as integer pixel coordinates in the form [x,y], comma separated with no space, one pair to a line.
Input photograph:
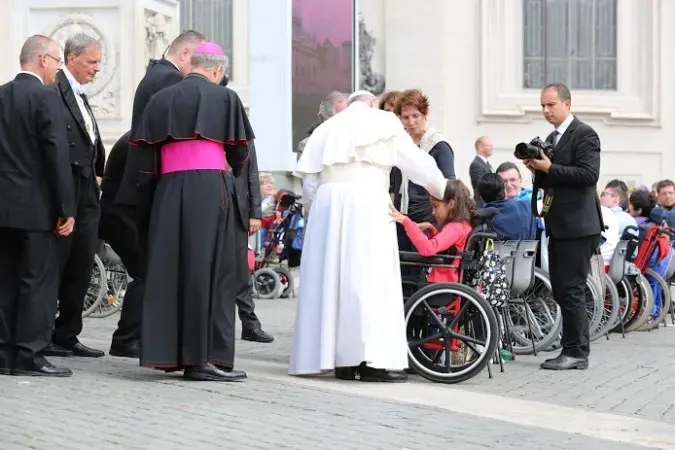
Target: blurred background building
[481,62]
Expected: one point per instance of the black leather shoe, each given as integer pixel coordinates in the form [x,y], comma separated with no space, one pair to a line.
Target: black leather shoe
[209,372]
[46,370]
[564,362]
[83,351]
[380,375]
[256,335]
[57,350]
[131,350]
[345,373]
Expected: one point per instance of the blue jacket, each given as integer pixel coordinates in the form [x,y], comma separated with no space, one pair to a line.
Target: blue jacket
[514,221]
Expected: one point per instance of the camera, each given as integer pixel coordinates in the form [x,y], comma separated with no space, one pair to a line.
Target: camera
[533,149]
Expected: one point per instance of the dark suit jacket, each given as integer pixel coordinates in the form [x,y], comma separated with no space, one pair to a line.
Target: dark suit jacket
[477,169]
[575,169]
[36,182]
[85,157]
[114,169]
[247,189]
[160,74]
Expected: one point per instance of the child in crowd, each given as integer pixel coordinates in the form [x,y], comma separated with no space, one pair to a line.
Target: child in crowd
[454,213]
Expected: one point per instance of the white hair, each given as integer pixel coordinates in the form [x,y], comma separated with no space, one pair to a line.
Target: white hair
[327,105]
[78,43]
[361,96]
[209,61]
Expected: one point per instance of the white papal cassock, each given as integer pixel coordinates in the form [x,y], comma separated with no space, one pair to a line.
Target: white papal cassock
[350,307]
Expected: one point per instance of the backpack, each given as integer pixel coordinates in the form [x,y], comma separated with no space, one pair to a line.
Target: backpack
[491,279]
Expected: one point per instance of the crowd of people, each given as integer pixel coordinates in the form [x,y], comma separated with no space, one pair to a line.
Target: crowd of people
[180,196]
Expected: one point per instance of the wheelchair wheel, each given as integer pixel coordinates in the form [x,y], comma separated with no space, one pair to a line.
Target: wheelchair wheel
[452,332]
[610,311]
[537,307]
[658,315]
[117,281]
[266,283]
[97,288]
[643,303]
[594,306]
[287,287]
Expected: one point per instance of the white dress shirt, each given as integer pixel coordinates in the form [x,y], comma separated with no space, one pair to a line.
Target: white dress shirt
[562,128]
[88,119]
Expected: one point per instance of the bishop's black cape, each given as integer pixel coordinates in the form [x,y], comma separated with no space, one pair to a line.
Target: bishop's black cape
[188,314]
[195,108]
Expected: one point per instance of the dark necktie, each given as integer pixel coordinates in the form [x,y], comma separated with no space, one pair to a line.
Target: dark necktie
[489,166]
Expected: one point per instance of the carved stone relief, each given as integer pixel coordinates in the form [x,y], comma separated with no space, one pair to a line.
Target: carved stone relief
[105,89]
[156,31]
[369,80]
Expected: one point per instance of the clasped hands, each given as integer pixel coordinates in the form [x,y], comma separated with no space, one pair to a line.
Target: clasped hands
[543,164]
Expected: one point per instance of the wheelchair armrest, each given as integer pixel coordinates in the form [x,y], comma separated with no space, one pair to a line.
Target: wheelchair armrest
[413,257]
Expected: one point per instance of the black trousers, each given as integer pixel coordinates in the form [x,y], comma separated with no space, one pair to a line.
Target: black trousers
[569,263]
[244,300]
[29,277]
[119,229]
[77,252]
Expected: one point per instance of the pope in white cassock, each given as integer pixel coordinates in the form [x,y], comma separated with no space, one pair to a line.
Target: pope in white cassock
[350,309]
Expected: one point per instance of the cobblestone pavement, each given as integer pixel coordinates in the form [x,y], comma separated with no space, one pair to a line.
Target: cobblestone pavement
[111,403]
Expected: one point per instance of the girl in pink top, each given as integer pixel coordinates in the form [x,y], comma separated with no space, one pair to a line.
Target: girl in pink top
[454,213]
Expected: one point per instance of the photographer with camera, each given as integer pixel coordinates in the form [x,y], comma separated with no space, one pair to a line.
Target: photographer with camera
[567,166]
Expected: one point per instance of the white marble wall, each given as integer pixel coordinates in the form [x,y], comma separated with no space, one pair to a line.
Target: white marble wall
[466,57]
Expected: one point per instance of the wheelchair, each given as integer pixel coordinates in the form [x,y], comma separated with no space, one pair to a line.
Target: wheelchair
[452,330]
[109,280]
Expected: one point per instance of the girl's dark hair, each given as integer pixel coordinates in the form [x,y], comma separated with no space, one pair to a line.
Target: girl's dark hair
[644,201]
[465,208]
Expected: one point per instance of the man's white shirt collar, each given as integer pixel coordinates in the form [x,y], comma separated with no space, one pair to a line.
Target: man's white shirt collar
[563,127]
[34,74]
[485,160]
[77,87]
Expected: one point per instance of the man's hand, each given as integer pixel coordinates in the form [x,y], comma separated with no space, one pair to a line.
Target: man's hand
[542,164]
[99,180]
[64,226]
[253,226]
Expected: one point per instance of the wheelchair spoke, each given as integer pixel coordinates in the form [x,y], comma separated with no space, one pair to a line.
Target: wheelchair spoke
[448,358]
[437,319]
[421,342]
[466,339]
[461,312]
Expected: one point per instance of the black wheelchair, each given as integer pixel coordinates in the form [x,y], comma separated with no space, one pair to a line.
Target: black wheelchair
[452,330]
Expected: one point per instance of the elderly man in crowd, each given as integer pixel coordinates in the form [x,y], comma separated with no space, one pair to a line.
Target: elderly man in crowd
[612,198]
[329,106]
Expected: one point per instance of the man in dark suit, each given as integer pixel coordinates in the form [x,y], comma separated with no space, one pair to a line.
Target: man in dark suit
[82,55]
[480,166]
[249,215]
[119,222]
[36,206]
[573,219]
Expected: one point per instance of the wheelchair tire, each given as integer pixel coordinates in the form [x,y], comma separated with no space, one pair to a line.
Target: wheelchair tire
[610,312]
[547,334]
[646,303]
[266,283]
[479,305]
[98,287]
[287,288]
[117,280]
[653,323]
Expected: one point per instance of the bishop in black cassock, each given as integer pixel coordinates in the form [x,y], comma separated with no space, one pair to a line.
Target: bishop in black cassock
[189,302]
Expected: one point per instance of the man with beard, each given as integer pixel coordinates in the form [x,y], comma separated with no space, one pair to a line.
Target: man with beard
[192,132]
[36,206]
[118,223]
